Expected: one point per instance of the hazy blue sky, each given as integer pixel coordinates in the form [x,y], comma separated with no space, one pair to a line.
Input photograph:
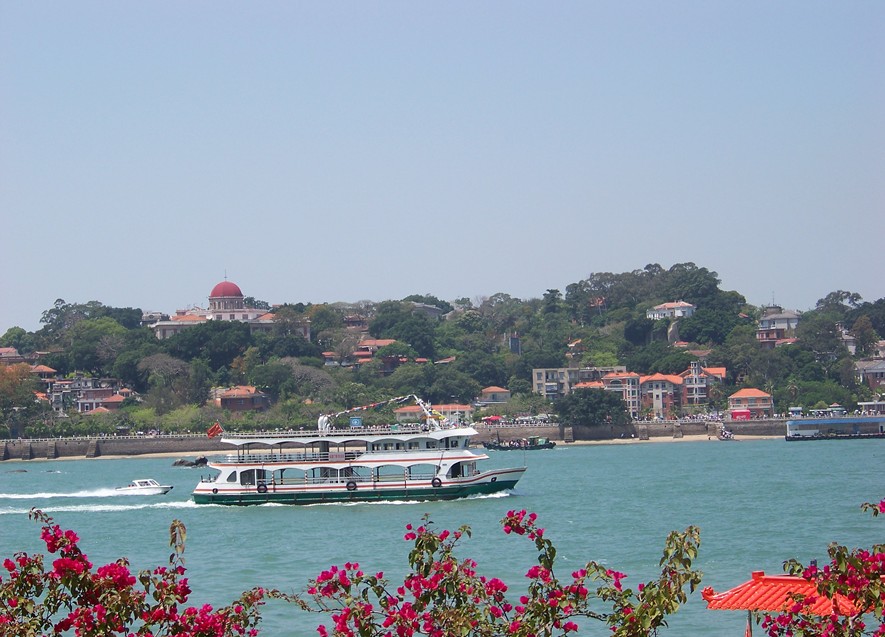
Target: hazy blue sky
[338,151]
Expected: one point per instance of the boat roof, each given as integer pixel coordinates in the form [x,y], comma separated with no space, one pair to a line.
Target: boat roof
[355,434]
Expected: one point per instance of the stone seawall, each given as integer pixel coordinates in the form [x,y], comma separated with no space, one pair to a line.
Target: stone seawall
[49,449]
[641,430]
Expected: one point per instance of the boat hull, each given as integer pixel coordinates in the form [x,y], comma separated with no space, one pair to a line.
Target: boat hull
[357,492]
[144,490]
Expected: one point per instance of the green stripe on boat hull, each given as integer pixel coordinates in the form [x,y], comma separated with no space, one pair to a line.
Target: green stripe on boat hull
[360,495]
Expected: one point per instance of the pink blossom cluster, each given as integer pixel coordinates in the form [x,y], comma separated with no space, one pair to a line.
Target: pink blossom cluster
[71,598]
[853,582]
[442,595]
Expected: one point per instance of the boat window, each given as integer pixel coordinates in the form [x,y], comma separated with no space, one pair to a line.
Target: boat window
[421,471]
[414,444]
[431,444]
[232,476]
[250,476]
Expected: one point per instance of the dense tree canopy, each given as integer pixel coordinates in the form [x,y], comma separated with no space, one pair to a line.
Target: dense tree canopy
[493,341]
[592,407]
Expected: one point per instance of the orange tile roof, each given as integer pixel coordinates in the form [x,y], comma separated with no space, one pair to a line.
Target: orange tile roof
[672,305]
[493,388]
[715,371]
[590,384]
[622,375]
[750,392]
[772,593]
[42,369]
[186,317]
[669,378]
[240,390]
[376,342]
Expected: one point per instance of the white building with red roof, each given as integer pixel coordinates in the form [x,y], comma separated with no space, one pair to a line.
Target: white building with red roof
[226,303]
[750,403]
[671,310]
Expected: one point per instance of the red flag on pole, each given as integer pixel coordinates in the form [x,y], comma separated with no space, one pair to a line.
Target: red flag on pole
[214,430]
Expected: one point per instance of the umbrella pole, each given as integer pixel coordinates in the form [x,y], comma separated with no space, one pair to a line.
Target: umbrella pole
[749,631]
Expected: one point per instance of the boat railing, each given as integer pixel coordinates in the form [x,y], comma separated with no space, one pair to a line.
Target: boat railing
[404,428]
[289,480]
[262,458]
[331,456]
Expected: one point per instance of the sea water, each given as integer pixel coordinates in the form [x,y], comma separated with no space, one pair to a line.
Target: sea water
[757,503]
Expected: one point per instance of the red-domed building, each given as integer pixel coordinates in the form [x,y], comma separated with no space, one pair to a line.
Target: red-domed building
[226,303]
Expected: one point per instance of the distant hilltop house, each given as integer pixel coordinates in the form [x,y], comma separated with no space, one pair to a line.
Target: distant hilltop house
[226,303]
[493,395]
[240,398]
[776,327]
[672,310]
[553,382]
[10,356]
[871,373]
[750,403]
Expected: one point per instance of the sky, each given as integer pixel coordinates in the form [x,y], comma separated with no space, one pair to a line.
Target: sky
[343,151]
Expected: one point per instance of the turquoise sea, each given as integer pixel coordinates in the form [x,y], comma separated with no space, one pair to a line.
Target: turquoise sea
[757,502]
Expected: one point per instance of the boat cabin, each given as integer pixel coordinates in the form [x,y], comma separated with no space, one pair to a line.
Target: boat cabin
[353,460]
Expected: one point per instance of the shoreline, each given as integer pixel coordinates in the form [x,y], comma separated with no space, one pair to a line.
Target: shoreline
[193,454]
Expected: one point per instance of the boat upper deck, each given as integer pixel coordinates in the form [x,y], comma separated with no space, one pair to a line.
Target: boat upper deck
[340,436]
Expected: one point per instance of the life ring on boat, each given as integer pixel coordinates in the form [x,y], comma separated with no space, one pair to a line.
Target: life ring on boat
[262,488]
[215,490]
[351,485]
[436,482]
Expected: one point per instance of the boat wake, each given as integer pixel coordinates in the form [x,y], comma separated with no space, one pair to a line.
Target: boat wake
[361,503]
[102,508]
[91,493]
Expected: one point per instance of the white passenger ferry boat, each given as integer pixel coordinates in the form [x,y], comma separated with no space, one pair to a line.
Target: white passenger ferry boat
[426,461]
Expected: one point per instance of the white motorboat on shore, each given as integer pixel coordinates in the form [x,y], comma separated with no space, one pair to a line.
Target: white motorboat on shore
[144,486]
[431,460]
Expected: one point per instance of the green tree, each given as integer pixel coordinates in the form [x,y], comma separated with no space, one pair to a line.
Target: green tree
[839,302]
[95,344]
[591,407]
[24,342]
[17,400]
[429,299]
[251,301]
[865,336]
[818,335]
[217,342]
[323,318]
[450,385]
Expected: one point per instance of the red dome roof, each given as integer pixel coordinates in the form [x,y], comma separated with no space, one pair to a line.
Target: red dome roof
[225,288]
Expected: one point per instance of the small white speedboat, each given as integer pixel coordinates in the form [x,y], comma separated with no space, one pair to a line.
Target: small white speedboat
[144,486]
